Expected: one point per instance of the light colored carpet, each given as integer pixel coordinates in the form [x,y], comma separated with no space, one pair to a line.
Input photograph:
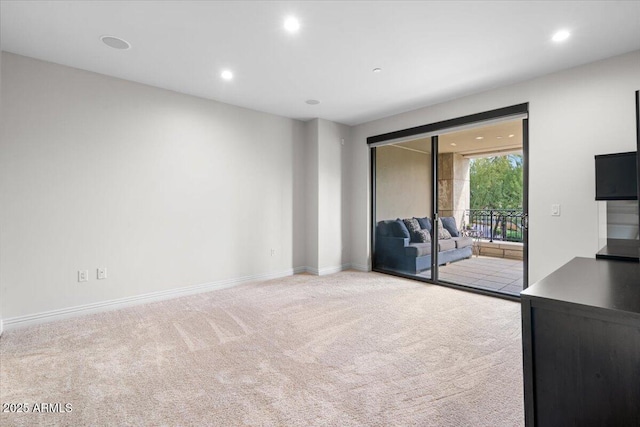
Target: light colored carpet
[350,349]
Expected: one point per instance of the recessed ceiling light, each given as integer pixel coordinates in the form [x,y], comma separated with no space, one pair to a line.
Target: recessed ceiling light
[511,136]
[312,101]
[115,42]
[377,70]
[453,144]
[561,36]
[226,74]
[498,137]
[291,24]
[479,137]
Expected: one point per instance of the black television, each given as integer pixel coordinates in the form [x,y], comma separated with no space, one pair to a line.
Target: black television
[617,176]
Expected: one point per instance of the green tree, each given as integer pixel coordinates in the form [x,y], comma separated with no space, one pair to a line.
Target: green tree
[496,182]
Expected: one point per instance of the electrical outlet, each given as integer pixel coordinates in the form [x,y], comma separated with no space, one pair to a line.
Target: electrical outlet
[83,275]
[102,273]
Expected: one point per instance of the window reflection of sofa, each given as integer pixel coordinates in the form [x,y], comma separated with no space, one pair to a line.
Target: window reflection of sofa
[399,249]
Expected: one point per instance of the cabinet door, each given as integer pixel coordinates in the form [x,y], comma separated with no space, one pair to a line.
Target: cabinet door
[586,368]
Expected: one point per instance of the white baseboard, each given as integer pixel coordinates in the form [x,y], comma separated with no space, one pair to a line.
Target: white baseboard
[335,269]
[299,270]
[361,267]
[312,270]
[327,270]
[49,316]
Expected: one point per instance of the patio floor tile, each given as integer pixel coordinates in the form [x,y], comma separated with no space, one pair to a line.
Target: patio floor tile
[497,274]
[500,279]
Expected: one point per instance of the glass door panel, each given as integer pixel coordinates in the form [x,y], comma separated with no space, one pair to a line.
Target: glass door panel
[403,208]
[480,190]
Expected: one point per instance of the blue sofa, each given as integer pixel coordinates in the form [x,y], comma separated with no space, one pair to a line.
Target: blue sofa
[394,250]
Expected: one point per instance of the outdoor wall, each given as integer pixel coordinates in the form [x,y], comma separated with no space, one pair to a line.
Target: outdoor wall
[574,115]
[403,183]
[164,190]
[454,194]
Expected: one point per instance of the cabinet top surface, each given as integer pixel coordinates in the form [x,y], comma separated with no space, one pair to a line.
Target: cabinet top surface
[612,285]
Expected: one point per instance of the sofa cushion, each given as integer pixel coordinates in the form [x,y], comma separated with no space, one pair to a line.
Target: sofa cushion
[383,229]
[398,229]
[462,241]
[413,227]
[417,249]
[425,223]
[449,224]
[421,249]
[446,245]
[422,236]
[443,233]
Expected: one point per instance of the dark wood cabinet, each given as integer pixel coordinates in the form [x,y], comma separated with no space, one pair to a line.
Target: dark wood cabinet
[581,345]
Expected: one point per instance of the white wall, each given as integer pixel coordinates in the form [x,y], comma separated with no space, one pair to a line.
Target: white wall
[333,249]
[168,190]
[1,227]
[327,249]
[312,195]
[163,189]
[574,115]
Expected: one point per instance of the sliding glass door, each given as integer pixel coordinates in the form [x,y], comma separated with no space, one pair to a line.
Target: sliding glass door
[449,204]
[481,205]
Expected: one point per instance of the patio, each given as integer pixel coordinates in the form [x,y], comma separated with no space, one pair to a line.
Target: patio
[483,272]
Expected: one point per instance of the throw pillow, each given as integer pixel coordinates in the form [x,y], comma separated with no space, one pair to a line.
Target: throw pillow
[425,223]
[423,236]
[398,229]
[449,224]
[413,226]
[443,233]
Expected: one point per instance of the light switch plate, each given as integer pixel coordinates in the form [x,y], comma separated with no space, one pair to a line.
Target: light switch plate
[102,273]
[555,210]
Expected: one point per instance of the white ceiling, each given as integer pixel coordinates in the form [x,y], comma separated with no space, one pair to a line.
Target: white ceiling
[429,51]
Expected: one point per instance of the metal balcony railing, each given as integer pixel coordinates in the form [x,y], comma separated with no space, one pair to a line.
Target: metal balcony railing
[496,224]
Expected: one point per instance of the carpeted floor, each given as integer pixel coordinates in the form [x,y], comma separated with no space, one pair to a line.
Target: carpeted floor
[349,349]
